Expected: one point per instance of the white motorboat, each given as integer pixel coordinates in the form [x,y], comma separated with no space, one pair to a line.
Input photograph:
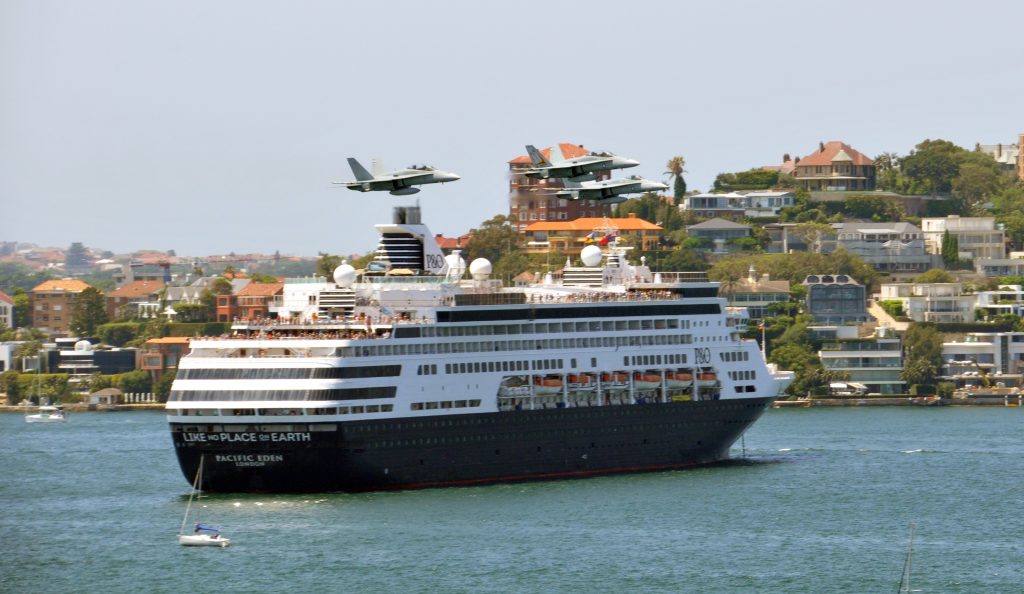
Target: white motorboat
[203,535]
[47,414]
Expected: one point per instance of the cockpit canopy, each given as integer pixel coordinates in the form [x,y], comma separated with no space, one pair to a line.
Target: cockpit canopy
[422,167]
[602,154]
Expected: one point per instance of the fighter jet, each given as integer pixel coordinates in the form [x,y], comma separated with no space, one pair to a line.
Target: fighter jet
[579,169]
[609,191]
[397,182]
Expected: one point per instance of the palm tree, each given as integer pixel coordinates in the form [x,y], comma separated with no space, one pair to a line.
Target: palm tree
[676,168]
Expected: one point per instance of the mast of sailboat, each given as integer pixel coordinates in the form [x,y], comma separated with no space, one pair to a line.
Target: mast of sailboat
[195,489]
[905,578]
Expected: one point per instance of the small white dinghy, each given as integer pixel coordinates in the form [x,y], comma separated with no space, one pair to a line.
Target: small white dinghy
[203,535]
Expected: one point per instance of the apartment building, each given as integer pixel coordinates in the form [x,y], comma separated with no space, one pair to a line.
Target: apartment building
[532,200]
[51,304]
[738,205]
[875,362]
[895,248]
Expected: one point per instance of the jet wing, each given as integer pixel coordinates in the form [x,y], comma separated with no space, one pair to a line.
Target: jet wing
[577,169]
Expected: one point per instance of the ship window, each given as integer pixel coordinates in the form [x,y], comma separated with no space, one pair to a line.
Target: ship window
[431,405]
[474,403]
[572,363]
[342,410]
[383,408]
[416,406]
[372,408]
[357,410]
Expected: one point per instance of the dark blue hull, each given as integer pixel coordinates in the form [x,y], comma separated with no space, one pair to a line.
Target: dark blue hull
[466,449]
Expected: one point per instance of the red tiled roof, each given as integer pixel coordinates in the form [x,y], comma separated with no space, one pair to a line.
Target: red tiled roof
[6,297]
[451,243]
[139,288]
[569,151]
[69,285]
[590,223]
[261,290]
[832,148]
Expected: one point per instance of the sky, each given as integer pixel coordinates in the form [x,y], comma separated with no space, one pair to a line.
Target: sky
[216,127]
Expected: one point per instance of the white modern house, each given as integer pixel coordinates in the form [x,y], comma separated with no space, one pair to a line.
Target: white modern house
[748,204]
[977,237]
[931,302]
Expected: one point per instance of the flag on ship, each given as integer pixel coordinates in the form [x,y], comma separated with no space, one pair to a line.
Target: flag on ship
[608,239]
[591,237]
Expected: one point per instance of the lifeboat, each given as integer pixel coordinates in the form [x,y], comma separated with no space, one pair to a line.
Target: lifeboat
[582,383]
[646,380]
[547,385]
[616,380]
[678,379]
[707,378]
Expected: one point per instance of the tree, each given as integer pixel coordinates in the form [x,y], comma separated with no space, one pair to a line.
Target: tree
[135,382]
[950,250]
[919,371]
[934,162]
[978,179]
[813,234]
[935,275]
[21,308]
[162,386]
[326,264]
[89,313]
[492,239]
[675,169]
[922,342]
[76,256]
[10,385]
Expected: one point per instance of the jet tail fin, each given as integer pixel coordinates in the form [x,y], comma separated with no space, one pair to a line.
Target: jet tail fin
[536,157]
[359,171]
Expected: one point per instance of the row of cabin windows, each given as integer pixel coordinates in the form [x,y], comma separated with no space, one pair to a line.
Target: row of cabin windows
[746,374]
[733,356]
[488,366]
[444,404]
[430,369]
[741,389]
[556,327]
[492,346]
[675,359]
[284,412]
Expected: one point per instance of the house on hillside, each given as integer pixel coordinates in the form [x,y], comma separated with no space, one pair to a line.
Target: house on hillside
[717,233]
[571,236]
[895,248]
[137,299]
[6,311]
[835,166]
[976,237]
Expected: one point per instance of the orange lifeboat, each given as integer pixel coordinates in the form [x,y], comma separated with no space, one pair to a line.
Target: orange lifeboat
[707,377]
[646,380]
[547,385]
[678,379]
[582,382]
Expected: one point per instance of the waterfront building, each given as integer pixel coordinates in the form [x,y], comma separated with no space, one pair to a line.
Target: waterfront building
[159,355]
[996,267]
[895,248]
[532,200]
[835,166]
[6,311]
[977,237]
[981,358]
[51,303]
[875,362]
[7,350]
[836,299]
[79,359]
[137,299]
[931,302]
[571,236]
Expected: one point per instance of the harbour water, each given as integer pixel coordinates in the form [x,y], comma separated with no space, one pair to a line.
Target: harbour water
[822,502]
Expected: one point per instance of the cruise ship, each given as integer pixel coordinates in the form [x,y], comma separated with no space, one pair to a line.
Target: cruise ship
[412,373]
